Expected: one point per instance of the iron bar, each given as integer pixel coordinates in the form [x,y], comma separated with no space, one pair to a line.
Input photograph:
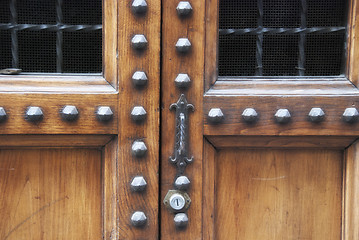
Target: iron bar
[256,31]
[14,39]
[302,38]
[259,40]
[50,27]
[59,37]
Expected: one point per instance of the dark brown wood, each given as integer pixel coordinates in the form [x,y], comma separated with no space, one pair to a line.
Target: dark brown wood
[337,142]
[173,63]
[129,166]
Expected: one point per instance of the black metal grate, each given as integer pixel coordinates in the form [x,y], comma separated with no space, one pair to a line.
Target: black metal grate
[52,36]
[282,37]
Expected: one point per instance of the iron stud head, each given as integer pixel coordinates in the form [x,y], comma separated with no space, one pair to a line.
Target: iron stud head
[34,114]
[139,7]
[350,115]
[139,42]
[138,219]
[316,115]
[182,183]
[181,220]
[138,184]
[3,115]
[139,79]
[139,148]
[138,114]
[250,115]
[69,113]
[182,80]
[183,45]
[104,113]
[215,115]
[184,9]
[282,116]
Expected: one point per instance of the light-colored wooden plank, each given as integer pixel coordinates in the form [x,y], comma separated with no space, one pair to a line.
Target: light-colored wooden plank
[50,194]
[278,194]
[129,166]
[351,194]
[353,42]
[51,104]
[173,63]
[280,141]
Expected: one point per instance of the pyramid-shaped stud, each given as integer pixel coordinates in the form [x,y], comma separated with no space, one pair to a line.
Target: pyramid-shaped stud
[183,45]
[3,115]
[184,9]
[139,148]
[250,115]
[138,219]
[104,113]
[181,220]
[215,116]
[138,114]
[139,42]
[139,7]
[69,113]
[316,115]
[139,79]
[34,114]
[282,116]
[350,115]
[138,184]
[182,183]
[182,80]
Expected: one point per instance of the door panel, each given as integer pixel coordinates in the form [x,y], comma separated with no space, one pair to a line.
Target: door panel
[278,194]
[51,193]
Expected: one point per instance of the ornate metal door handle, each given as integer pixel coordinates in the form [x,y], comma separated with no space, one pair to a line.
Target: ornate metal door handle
[180,155]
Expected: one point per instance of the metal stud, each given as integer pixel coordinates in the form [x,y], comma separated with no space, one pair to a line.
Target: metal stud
[182,80]
[184,9]
[250,115]
[69,113]
[138,114]
[282,116]
[139,7]
[139,79]
[139,148]
[215,115]
[104,113]
[181,220]
[138,219]
[316,115]
[139,42]
[138,184]
[182,183]
[350,115]
[3,115]
[183,45]
[34,114]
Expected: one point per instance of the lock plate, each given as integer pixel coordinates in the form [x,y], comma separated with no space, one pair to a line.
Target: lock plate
[177,201]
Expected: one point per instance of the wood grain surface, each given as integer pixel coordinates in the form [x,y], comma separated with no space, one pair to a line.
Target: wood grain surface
[50,194]
[278,194]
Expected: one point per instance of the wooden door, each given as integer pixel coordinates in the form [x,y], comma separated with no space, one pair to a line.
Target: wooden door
[258,173]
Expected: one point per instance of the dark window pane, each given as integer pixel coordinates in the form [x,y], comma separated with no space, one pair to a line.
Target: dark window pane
[82,11]
[237,14]
[36,11]
[5,50]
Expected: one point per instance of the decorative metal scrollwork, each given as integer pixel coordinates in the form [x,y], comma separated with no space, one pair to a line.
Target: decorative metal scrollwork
[180,155]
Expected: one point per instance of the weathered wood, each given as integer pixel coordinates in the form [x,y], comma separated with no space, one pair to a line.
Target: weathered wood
[173,63]
[129,166]
[51,104]
[275,194]
[50,194]
[353,42]
[351,194]
[280,141]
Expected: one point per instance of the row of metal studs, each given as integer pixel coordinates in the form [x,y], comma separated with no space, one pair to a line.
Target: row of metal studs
[67,113]
[138,113]
[282,116]
[182,81]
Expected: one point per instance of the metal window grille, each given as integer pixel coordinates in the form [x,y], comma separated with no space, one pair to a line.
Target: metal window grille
[282,37]
[52,36]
